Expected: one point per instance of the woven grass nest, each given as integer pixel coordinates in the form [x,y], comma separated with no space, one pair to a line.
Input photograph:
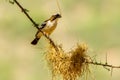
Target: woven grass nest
[69,65]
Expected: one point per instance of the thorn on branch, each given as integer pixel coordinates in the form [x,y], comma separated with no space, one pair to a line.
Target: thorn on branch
[26,10]
[111,71]
[106,68]
[11,2]
[106,59]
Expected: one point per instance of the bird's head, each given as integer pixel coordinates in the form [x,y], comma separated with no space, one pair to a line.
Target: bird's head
[54,17]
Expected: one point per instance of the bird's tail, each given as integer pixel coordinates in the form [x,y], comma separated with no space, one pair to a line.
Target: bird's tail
[35,41]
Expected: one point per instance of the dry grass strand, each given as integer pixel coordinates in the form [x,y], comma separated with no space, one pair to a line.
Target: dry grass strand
[70,65]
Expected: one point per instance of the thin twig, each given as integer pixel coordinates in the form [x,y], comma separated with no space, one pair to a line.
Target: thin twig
[111,71]
[58,5]
[106,59]
[36,25]
[104,65]
[24,11]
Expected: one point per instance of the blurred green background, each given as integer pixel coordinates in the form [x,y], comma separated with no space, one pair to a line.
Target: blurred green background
[95,22]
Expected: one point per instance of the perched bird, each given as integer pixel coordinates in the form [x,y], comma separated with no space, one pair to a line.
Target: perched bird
[48,26]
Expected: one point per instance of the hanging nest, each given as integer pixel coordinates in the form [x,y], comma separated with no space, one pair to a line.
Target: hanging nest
[70,65]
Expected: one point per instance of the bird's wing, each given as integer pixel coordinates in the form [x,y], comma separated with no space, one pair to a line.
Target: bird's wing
[43,24]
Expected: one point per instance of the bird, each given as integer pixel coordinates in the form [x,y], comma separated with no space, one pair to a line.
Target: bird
[47,27]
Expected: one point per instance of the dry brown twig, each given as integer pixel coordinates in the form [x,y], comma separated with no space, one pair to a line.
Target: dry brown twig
[70,65]
[102,64]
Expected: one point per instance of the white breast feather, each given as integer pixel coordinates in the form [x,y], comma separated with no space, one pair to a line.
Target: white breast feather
[50,24]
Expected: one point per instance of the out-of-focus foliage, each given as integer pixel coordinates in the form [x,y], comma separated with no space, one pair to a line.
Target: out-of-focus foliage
[96,22]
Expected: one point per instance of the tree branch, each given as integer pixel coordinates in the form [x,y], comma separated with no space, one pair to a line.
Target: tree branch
[25,12]
[36,25]
[104,65]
